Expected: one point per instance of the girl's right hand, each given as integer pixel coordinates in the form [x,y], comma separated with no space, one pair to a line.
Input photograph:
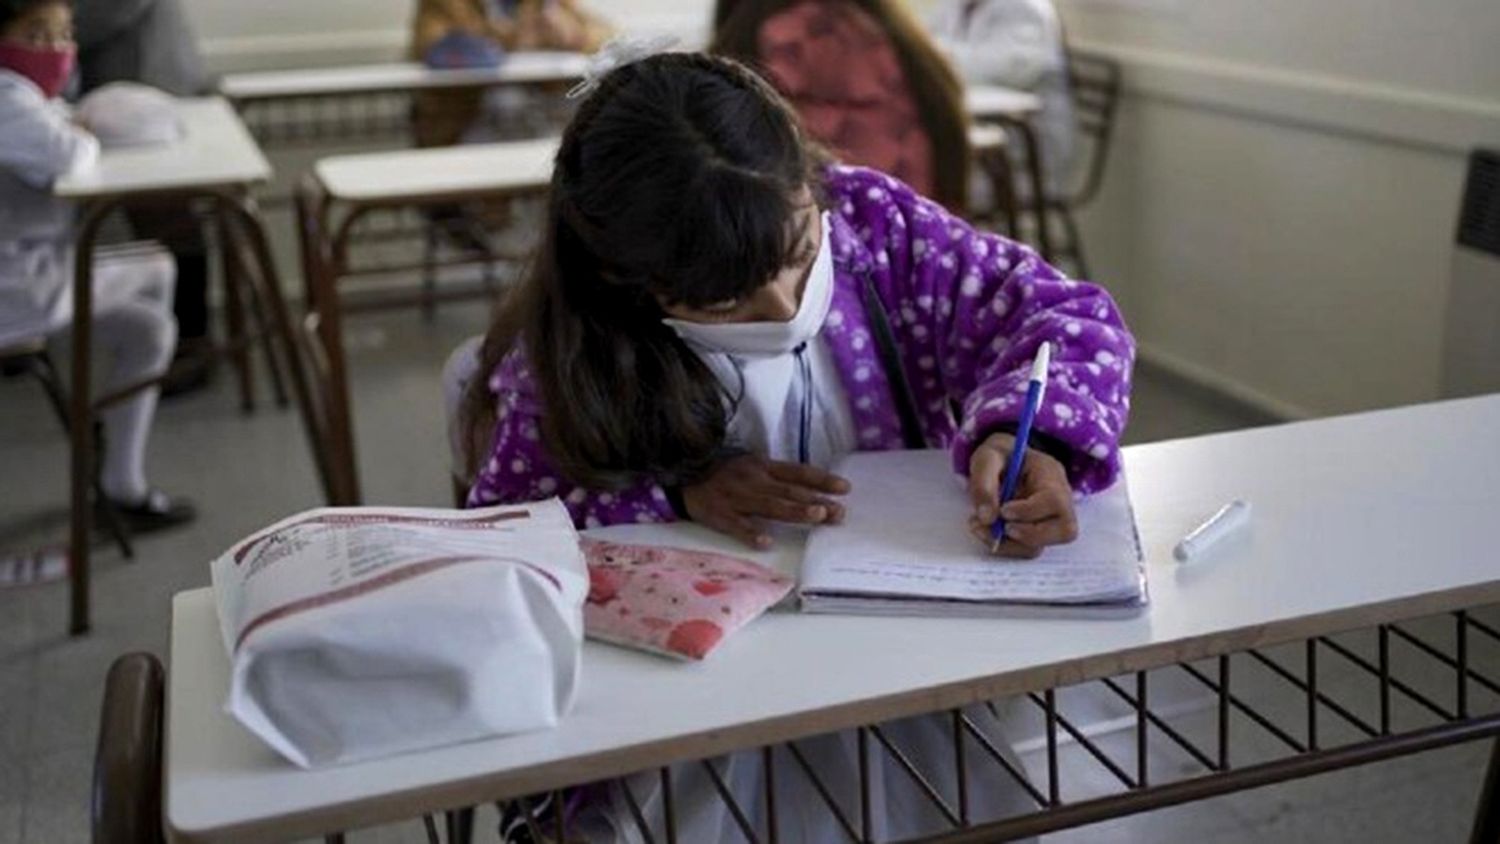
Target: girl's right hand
[744,491]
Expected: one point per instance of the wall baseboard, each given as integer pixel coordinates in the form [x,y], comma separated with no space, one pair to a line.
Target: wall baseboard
[1221,385]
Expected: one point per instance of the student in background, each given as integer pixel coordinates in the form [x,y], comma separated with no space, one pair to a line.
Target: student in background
[1018,44]
[866,80]
[152,42]
[133,322]
[147,41]
[699,338]
[443,117]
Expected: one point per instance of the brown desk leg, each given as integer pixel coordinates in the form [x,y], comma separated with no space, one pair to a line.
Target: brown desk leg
[1033,151]
[460,826]
[247,298]
[331,330]
[1487,815]
[996,164]
[242,212]
[234,312]
[81,418]
[263,326]
[309,242]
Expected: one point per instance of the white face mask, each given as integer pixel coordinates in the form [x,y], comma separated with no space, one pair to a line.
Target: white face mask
[770,339]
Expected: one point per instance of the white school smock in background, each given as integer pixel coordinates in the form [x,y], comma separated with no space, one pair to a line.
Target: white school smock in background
[1018,44]
[38,144]
[151,42]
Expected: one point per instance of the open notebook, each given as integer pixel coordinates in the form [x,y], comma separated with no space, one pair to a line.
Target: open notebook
[905,549]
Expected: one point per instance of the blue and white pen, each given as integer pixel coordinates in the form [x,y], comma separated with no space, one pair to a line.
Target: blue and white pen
[1034,393]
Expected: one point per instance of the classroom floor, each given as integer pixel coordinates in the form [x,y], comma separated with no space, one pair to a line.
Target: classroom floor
[246,471]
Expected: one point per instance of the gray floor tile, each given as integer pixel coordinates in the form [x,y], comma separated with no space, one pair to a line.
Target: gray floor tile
[17,686]
[57,797]
[1164,407]
[12,796]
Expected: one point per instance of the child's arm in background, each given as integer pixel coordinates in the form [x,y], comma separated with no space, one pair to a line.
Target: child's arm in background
[38,140]
[976,307]
[592,30]
[437,18]
[516,467]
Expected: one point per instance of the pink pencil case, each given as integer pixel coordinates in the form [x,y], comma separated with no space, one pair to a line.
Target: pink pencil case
[673,601]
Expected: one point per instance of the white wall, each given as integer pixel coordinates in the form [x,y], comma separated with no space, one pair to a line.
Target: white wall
[1280,207]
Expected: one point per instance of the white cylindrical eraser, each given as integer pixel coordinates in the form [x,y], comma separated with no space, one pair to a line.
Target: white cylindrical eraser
[1230,518]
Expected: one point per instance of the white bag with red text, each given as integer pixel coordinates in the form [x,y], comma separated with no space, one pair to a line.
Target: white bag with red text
[357,633]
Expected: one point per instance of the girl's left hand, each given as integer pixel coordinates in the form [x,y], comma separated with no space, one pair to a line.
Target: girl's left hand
[1040,514]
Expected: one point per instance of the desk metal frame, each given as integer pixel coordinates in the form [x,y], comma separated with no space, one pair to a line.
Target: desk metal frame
[1311,751]
[239,226]
[1308,744]
[1391,716]
[368,114]
[328,230]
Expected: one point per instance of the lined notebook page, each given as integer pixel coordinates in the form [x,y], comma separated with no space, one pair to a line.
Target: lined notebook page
[906,537]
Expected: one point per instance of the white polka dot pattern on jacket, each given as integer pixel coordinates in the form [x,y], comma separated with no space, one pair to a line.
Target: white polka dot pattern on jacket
[968,309]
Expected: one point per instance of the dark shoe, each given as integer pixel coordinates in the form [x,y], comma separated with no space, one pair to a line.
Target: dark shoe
[158,512]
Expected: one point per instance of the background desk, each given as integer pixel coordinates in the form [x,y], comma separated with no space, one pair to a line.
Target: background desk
[1328,552]
[343,191]
[519,68]
[215,160]
[367,102]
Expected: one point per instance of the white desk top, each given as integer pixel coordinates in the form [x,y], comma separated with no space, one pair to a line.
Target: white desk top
[1358,520]
[522,68]
[442,171]
[216,151]
[997,101]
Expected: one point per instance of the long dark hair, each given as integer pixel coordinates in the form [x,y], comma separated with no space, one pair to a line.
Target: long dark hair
[678,181]
[934,84]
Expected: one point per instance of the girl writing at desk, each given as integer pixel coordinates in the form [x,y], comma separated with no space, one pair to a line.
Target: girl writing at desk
[716,314]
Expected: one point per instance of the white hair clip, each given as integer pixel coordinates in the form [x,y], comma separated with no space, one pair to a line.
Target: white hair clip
[618,53]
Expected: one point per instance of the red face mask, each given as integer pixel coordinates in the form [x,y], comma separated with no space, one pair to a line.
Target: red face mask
[48,67]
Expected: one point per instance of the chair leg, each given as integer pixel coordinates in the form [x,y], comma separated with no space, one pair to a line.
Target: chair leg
[40,366]
[263,329]
[111,519]
[460,826]
[1075,241]
[996,166]
[429,272]
[234,314]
